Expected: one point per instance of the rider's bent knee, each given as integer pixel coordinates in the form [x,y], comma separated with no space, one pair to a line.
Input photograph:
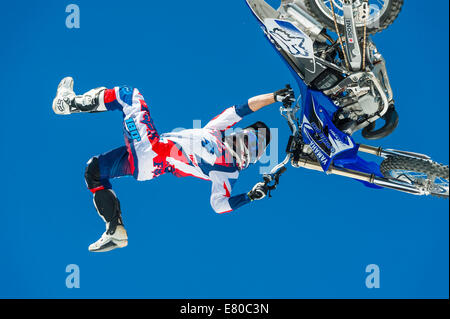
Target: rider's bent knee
[92,174]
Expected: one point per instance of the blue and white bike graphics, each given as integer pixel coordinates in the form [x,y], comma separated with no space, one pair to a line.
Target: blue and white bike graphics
[343,88]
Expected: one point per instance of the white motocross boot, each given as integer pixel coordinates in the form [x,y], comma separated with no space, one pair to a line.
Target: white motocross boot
[108,241]
[67,102]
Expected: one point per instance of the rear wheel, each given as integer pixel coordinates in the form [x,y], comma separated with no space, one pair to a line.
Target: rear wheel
[427,175]
[382,13]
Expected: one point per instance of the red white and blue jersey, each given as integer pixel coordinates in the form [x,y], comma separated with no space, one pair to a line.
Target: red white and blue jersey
[199,153]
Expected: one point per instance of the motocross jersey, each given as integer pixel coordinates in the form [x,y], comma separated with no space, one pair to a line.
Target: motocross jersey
[199,153]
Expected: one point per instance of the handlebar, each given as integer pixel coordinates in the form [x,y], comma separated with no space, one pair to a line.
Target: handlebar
[272,180]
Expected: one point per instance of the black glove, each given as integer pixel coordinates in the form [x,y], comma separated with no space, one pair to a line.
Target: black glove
[258,192]
[285,95]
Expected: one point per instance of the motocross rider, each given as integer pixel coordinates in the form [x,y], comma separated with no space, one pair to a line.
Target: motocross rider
[206,153]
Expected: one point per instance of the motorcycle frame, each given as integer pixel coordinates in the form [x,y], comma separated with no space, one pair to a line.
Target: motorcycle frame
[311,103]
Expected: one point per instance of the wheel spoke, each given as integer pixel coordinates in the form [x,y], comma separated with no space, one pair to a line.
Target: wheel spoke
[436,184]
[430,177]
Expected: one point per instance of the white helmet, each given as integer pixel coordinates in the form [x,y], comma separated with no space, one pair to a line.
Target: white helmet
[248,145]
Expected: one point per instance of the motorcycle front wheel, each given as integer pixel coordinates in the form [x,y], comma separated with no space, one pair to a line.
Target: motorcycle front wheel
[427,175]
[382,14]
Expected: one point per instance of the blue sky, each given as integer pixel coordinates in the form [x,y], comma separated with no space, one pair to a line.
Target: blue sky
[190,60]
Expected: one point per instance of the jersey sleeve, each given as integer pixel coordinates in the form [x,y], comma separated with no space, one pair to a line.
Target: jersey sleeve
[221,200]
[229,117]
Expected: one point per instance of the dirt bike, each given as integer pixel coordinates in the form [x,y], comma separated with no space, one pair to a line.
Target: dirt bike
[344,88]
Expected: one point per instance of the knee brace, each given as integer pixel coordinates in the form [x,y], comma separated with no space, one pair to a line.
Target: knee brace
[92,175]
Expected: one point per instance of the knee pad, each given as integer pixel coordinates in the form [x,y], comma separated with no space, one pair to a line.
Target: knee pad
[92,174]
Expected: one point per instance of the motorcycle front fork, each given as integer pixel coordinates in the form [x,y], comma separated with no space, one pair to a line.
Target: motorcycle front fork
[365,177]
[378,151]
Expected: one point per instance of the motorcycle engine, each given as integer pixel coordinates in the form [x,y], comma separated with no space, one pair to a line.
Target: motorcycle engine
[362,98]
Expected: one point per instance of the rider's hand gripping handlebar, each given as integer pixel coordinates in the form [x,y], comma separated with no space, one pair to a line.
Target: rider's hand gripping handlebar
[271,181]
[285,96]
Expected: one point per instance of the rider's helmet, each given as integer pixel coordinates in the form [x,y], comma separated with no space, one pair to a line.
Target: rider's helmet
[249,145]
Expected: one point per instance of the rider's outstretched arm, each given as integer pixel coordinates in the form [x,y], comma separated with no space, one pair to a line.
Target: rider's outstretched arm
[258,102]
[235,114]
[221,200]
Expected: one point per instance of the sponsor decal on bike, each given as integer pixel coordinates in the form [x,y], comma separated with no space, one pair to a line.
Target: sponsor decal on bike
[319,154]
[320,137]
[309,132]
[291,40]
[339,145]
[295,45]
[349,30]
[319,130]
[335,142]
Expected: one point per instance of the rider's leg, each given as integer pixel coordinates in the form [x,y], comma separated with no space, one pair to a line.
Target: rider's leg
[67,102]
[99,171]
[137,159]
[141,136]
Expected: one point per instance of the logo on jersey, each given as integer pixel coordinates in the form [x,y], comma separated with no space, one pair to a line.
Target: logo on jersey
[147,120]
[132,129]
[162,168]
[210,148]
